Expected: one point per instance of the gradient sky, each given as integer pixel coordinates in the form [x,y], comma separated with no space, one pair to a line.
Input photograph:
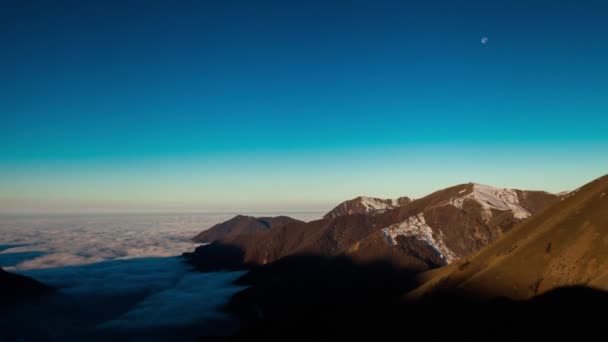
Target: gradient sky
[294,105]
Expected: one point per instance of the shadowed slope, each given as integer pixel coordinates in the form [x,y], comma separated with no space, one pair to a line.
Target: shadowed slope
[316,297]
[14,287]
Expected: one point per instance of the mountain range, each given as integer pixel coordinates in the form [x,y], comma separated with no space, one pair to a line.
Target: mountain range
[470,261]
[420,234]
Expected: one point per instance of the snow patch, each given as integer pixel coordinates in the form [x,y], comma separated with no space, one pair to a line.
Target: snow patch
[493,198]
[367,205]
[373,204]
[416,227]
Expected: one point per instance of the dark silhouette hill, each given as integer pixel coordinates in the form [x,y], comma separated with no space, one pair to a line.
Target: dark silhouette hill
[313,297]
[15,288]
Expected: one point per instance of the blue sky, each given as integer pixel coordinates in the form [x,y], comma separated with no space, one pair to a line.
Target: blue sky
[295,105]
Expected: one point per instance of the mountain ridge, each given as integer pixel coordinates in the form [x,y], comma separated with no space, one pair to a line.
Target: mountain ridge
[426,233]
[241,225]
[564,245]
[366,205]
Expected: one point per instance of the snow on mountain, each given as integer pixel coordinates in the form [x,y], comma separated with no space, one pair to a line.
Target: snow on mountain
[415,227]
[563,246]
[366,205]
[373,204]
[452,235]
[493,198]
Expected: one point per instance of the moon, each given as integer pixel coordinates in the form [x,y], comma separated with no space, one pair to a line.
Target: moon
[484,40]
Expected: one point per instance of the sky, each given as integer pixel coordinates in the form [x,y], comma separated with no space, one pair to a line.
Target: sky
[294,105]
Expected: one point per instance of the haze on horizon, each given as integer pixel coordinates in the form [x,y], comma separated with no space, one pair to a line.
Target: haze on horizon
[294,105]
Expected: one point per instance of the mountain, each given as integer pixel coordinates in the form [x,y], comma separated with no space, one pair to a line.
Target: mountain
[426,233]
[460,220]
[241,225]
[366,205]
[14,287]
[564,245]
[449,224]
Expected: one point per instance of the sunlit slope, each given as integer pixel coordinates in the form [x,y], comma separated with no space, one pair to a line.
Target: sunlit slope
[564,245]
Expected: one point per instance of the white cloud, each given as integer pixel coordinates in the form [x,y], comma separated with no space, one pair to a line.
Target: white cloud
[77,240]
[130,263]
[82,239]
[194,298]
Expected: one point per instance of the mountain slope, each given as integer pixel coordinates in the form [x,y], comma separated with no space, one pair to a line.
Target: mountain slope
[427,233]
[366,205]
[460,220]
[564,245]
[241,225]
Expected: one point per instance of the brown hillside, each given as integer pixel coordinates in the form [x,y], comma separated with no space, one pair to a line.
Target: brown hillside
[241,225]
[427,233]
[564,245]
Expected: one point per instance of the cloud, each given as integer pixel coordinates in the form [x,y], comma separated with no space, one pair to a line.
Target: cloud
[81,239]
[77,240]
[127,299]
[117,275]
[8,259]
[195,297]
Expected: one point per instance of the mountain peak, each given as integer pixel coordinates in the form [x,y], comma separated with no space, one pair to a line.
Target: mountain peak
[366,205]
[493,198]
[241,225]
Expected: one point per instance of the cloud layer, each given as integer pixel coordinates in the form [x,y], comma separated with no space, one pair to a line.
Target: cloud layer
[83,239]
[118,276]
[77,240]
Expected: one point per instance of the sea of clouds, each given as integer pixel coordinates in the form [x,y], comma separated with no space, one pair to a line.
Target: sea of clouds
[55,241]
[116,273]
